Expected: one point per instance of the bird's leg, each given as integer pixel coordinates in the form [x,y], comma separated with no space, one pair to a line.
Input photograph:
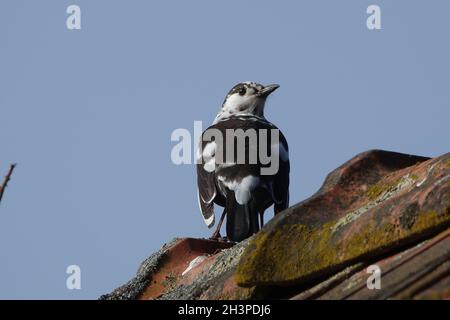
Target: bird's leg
[216,234]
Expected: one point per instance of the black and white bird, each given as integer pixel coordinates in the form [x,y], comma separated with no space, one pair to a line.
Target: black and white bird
[241,188]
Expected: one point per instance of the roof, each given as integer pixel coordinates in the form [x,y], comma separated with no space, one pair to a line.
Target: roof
[380,208]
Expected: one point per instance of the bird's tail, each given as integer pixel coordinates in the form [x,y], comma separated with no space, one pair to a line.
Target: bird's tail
[242,220]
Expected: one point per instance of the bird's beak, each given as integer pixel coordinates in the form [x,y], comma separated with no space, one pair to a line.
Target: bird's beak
[268,90]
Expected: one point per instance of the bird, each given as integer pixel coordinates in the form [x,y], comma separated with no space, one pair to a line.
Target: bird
[240,187]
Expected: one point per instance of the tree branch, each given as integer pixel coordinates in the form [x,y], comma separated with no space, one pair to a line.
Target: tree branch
[6,180]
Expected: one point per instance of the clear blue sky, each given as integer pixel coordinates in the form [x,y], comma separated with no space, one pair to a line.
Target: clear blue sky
[88,114]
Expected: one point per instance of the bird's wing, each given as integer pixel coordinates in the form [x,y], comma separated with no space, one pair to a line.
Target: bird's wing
[206,187]
[281,182]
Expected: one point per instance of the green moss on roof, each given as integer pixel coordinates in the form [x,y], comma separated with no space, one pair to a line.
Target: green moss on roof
[295,251]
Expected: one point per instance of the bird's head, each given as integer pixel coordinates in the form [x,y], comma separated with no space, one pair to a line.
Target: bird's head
[246,98]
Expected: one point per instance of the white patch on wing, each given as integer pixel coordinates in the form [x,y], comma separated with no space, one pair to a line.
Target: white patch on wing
[209,150]
[210,221]
[198,200]
[210,166]
[208,155]
[226,165]
[242,189]
[210,200]
[199,154]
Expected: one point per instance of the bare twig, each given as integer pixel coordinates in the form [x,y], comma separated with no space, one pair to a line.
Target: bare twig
[6,180]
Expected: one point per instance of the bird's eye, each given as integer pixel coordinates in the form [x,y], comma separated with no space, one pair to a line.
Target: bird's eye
[242,91]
